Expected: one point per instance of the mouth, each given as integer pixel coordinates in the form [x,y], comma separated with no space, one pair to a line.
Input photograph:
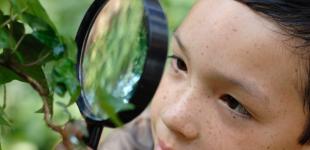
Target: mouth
[162,146]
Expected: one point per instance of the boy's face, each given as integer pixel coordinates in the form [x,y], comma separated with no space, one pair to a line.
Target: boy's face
[235,85]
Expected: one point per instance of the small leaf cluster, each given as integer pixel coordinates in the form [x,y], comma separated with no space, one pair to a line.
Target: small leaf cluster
[32,51]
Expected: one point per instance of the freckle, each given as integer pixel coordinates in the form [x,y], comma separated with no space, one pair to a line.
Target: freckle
[202,53]
[255,45]
[252,131]
[234,30]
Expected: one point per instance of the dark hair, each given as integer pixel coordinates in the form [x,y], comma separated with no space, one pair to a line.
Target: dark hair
[294,17]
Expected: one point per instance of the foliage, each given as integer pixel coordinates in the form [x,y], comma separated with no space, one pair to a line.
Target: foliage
[31,46]
[32,51]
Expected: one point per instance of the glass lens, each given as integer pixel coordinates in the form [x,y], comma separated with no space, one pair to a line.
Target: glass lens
[114,57]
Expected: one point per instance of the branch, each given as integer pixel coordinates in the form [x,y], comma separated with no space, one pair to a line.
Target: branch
[44,94]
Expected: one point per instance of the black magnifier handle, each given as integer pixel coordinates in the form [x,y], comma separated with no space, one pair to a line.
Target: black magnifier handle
[94,134]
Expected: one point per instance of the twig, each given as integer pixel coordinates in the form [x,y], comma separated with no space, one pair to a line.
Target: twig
[13,18]
[4,97]
[19,42]
[37,61]
[45,97]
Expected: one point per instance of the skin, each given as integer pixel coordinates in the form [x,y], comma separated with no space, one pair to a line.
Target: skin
[229,49]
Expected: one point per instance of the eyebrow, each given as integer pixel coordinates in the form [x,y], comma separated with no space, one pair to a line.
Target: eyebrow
[247,86]
[180,43]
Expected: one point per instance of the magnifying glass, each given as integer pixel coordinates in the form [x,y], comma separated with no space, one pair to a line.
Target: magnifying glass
[122,52]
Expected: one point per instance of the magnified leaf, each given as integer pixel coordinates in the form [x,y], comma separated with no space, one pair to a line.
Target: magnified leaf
[4,119]
[107,107]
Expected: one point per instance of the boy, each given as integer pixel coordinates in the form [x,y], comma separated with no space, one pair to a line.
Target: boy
[238,79]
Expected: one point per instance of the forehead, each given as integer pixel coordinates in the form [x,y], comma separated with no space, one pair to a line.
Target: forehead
[228,37]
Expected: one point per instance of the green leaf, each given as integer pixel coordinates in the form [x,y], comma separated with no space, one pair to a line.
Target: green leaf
[65,109]
[33,51]
[108,108]
[36,73]
[7,75]
[6,39]
[61,78]
[45,34]
[32,7]
[36,23]
[18,30]
[51,41]
[74,95]
[3,18]
[71,48]
[60,89]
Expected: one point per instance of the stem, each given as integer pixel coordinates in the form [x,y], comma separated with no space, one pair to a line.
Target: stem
[12,17]
[4,97]
[44,94]
[19,42]
[41,59]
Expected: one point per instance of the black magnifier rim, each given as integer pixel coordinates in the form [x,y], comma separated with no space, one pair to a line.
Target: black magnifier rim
[157,37]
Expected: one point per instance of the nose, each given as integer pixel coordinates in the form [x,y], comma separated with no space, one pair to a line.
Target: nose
[180,120]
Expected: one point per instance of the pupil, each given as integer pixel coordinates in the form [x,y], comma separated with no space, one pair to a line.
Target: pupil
[181,65]
[232,103]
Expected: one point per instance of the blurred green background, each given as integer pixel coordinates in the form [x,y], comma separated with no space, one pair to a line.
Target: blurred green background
[29,131]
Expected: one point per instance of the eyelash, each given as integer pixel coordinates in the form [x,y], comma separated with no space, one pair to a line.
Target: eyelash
[178,64]
[235,106]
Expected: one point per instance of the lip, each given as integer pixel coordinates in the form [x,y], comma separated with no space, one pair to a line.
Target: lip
[163,146]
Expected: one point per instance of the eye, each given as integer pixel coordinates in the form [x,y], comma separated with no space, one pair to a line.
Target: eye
[234,105]
[178,64]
